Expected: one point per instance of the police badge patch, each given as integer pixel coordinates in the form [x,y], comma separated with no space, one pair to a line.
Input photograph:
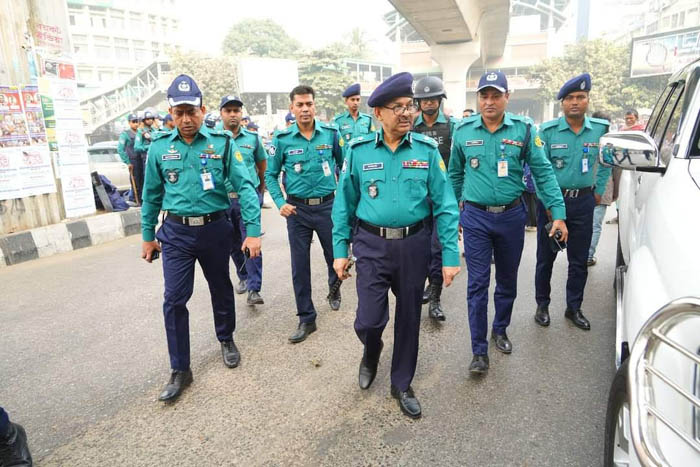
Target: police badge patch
[474,163]
[372,191]
[559,163]
[172,176]
[271,151]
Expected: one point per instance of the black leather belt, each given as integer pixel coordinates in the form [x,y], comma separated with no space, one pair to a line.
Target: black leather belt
[196,220]
[496,209]
[311,201]
[576,192]
[391,233]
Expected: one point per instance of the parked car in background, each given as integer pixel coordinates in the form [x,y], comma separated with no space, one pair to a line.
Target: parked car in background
[105,160]
[653,415]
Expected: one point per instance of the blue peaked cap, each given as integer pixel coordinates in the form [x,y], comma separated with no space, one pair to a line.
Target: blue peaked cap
[398,85]
[578,83]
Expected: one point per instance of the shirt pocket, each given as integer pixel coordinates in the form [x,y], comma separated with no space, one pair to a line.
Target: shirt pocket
[216,167]
[373,184]
[474,159]
[171,171]
[414,183]
[559,157]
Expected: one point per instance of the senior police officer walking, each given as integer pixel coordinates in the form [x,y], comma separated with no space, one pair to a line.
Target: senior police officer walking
[571,144]
[309,151]
[384,185]
[255,158]
[185,178]
[353,123]
[431,121]
[486,170]
[127,153]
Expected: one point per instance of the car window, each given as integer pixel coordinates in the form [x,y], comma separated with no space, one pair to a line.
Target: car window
[659,132]
[657,108]
[100,156]
[669,136]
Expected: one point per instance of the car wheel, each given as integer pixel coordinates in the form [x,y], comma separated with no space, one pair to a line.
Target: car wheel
[618,438]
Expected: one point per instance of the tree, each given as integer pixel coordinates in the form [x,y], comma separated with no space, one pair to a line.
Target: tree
[325,70]
[357,43]
[215,76]
[608,63]
[259,38]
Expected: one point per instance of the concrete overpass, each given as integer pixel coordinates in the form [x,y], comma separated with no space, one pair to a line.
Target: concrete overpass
[459,32]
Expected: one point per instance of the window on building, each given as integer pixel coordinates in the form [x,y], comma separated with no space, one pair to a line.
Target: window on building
[681,19]
[142,55]
[674,21]
[85,74]
[117,21]
[386,72]
[105,75]
[135,21]
[71,20]
[122,53]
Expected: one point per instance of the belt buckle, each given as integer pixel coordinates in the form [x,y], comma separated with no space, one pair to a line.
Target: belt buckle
[195,221]
[391,234]
[313,201]
[233,195]
[495,209]
[572,193]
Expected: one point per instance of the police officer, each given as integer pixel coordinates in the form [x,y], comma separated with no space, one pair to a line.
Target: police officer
[14,449]
[486,170]
[571,144]
[384,185]
[255,158]
[142,141]
[185,177]
[289,119]
[308,151]
[210,120]
[127,153]
[431,121]
[168,123]
[353,123]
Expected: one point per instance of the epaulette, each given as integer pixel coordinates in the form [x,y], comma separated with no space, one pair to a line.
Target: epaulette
[600,121]
[366,115]
[330,126]
[283,132]
[521,118]
[467,120]
[360,139]
[160,134]
[549,124]
[338,116]
[425,139]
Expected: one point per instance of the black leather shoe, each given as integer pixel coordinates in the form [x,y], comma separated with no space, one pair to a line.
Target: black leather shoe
[407,401]
[14,450]
[503,344]
[578,319]
[426,294]
[368,368]
[254,298]
[542,316]
[334,301]
[479,365]
[179,380]
[302,332]
[241,287]
[232,357]
[435,308]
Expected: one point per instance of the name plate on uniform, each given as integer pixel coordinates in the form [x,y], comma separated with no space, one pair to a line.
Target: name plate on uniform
[295,152]
[475,142]
[559,146]
[414,164]
[372,166]
[171,157]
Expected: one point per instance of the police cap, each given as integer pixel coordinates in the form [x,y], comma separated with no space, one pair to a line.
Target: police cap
[290,117]
[581,82]
[148,114]
[167,118]
[493,79]
[398,85]
[352,90]
[184,90]
[133,117]
[228,99]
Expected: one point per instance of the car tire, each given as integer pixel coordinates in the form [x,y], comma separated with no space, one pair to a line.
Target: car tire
[618,444]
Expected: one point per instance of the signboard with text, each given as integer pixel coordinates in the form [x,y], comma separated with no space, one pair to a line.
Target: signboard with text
[664,53]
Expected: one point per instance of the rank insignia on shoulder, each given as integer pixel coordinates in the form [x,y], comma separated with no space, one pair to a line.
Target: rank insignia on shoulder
[171,157]
[512,142]
[538,141]
[414,164]
[172,176]
[373,166]
[239,156]
[559,146]
[474,163]
[442,165]
[372,191]
[475,142]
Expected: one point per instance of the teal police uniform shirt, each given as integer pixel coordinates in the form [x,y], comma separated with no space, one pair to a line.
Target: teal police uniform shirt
[391,190]
[350,128]
[142,142]
[573,156]
[309,164]
[486,168]
[174,183]
[252,150]
[124,140]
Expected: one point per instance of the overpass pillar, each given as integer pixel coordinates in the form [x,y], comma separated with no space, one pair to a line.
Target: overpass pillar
[455,60]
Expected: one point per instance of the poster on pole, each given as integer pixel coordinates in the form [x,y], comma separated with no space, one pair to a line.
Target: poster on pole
[13,127]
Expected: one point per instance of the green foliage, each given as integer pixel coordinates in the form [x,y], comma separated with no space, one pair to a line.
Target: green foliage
[608,63]
[325,71]
[259,38]
[215,76]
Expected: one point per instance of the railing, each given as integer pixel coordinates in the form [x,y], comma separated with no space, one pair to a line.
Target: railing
[107,106]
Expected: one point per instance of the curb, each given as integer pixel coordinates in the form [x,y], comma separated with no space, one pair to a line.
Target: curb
[68,236]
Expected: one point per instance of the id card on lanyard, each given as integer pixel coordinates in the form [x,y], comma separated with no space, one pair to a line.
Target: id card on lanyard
[207,181]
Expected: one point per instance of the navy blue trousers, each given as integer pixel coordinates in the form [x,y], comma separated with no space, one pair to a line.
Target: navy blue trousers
[300,230]
[501,236]
[249,270]
[4,423]
[183,245]
[399,265]
[579,223]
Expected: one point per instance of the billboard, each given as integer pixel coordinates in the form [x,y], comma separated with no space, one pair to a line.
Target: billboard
[267,75]
[664,53]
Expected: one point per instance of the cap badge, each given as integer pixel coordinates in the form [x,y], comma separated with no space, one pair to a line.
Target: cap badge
[426,89]
[184,86]
[491,77]
[583,85]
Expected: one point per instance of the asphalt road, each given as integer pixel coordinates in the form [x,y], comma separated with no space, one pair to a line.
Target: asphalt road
[83,358]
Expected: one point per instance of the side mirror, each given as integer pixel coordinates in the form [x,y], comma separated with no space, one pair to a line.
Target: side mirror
[630,150]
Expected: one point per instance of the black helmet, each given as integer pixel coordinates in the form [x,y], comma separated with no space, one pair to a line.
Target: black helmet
[430,86]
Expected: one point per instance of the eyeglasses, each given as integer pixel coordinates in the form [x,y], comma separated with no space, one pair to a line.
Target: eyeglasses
[400,109]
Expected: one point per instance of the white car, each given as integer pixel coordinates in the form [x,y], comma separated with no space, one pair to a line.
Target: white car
[653,415]
[105,160]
